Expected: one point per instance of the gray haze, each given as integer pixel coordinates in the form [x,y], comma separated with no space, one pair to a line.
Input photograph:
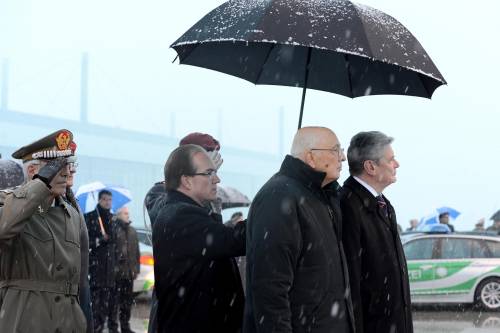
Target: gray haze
[448,146]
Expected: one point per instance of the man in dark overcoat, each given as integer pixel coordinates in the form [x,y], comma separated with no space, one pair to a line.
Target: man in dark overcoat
[157,195]
[377,266]
[297,278]
[196,277]
[102,260]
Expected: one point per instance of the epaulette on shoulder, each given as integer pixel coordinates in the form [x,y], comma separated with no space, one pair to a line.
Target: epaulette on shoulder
[5,192]
[9,190]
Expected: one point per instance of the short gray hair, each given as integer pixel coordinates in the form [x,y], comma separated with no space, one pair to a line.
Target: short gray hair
[366,146]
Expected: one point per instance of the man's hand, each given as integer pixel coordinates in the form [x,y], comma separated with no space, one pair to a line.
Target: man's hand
[216,158]
[48,172]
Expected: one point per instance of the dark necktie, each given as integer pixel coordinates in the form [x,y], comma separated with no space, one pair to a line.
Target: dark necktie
[382,205]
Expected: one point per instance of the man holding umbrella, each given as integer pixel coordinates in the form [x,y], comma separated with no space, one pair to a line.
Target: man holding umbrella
[157,196]
[196,279]
[102,261]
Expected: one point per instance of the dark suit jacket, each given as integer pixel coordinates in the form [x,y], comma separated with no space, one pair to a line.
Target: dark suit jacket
[377,266]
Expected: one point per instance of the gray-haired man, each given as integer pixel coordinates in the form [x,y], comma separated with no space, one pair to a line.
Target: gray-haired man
[377,268]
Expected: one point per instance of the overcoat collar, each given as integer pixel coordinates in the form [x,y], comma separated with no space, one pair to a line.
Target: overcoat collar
[303,173]
[368,200]
[176,196]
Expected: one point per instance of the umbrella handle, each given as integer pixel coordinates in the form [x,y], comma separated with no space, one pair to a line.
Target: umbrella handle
[309,50]
[103,232]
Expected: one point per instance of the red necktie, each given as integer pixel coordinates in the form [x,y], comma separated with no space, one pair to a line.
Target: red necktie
[382,205]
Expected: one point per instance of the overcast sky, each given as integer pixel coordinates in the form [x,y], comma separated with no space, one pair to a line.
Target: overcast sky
[448,147]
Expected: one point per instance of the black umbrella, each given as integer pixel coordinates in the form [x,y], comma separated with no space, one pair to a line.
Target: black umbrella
[330,45]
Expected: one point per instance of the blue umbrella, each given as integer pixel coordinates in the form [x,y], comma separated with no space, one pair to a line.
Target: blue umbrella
[433,219]
[87,196]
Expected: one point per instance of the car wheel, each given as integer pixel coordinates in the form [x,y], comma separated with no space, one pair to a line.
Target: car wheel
[488,294]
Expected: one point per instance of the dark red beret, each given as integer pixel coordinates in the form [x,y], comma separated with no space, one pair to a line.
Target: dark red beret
[201,139]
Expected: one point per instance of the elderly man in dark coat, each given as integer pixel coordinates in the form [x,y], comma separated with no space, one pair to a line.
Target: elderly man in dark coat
[196,278]
[297,280]
[377,266]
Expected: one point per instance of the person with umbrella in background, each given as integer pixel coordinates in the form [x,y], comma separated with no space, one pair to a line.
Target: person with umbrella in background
[157,196]
[378,273]
[444,218]
[40,231]
[102,261]
[128,267]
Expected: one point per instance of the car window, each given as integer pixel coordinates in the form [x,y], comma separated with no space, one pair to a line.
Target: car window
[479,248]
[494,248]
[456,248]
[419,249]
[144,238]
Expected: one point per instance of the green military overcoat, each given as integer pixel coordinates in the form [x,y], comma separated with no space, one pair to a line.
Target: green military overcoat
[39,262]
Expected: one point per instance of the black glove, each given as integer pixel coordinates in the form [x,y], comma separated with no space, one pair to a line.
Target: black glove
[50,170]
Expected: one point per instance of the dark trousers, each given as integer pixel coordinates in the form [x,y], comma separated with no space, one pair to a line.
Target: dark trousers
[101,307]
[152,326]
[121,305]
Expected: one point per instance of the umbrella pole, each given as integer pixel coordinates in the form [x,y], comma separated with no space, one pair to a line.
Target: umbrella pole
[309,50]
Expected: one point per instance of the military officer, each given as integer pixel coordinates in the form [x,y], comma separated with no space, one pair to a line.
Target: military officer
[40,244]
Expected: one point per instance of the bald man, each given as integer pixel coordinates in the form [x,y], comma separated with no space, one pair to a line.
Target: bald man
[296,275]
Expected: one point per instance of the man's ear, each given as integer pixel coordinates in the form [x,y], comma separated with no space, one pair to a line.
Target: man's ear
[369,167]
[32,170]
[309,159]
[186,182]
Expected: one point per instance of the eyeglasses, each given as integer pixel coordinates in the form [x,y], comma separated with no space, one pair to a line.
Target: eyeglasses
[210,174]
[335,151]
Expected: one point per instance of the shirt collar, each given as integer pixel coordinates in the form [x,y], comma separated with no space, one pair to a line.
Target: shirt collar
[367,186]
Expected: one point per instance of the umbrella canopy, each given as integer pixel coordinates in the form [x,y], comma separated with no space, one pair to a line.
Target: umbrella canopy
[231,197]
[11,174]
[433,218]
[329,45]
[87,196]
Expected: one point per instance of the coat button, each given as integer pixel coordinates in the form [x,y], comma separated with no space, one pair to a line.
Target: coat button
[57,298]
[72,301]
[59,267]
[58,330]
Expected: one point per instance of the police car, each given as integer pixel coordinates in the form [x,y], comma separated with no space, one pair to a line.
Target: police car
[454,268]
[146,279]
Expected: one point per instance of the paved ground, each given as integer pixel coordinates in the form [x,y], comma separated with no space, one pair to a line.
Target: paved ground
[426,320]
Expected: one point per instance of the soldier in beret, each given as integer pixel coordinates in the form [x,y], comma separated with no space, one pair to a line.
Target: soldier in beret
[40,243]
